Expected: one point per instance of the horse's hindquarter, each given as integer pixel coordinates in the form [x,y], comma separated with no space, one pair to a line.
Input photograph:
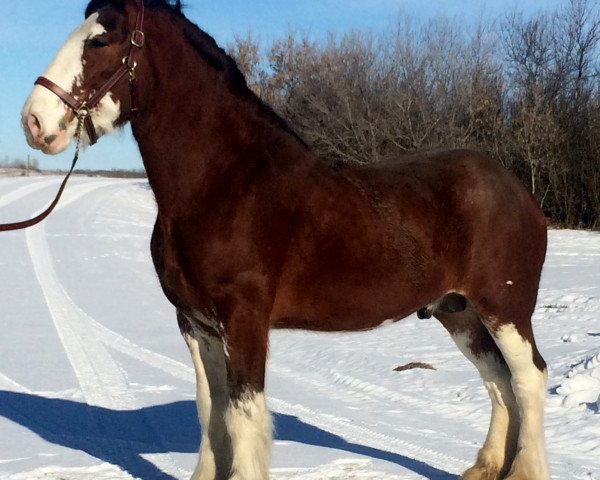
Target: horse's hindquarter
[399,235]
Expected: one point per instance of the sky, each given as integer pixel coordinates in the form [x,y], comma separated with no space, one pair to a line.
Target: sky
[31,31]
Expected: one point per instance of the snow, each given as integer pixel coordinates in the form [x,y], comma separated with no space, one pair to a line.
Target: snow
[582,385]
[96,382]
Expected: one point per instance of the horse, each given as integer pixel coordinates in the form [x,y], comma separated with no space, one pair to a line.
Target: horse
[254,232]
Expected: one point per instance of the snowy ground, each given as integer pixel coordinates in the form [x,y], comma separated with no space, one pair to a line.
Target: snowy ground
[95,381]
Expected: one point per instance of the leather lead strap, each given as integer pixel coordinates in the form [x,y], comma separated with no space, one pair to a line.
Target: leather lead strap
[8,227]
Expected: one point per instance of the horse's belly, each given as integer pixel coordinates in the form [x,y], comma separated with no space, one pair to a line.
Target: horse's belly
[347,308]
[332,323]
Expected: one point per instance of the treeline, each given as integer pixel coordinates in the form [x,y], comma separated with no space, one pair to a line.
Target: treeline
[33,164]
[524,89]
[20,163]
[115,173]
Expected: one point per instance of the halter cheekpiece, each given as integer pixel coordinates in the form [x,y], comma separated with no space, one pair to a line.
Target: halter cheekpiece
[82,108]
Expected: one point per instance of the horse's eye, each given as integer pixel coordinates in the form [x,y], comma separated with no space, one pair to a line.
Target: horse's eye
[97,43]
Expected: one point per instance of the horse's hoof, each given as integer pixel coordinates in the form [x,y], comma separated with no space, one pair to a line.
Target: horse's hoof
[481,472]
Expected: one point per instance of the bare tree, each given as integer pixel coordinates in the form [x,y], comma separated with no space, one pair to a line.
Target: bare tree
[526,90]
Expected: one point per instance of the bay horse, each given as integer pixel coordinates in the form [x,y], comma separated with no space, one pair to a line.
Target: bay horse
[255,232]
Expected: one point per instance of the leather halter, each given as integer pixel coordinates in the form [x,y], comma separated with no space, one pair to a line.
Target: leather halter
[82,108]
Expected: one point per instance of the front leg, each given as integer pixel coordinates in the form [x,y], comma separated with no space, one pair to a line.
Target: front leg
[212,398]
[250,427]
[248,419]
[230,372]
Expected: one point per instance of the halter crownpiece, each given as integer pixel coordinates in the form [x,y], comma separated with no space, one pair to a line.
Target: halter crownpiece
[82,108]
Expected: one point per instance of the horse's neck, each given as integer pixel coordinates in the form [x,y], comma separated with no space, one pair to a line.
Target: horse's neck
[197,133]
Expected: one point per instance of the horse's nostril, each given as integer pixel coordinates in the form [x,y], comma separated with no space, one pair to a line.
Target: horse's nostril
[34,124]
[50,139]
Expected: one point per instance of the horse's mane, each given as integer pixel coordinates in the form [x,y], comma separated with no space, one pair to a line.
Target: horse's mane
[95,5]
[207,48]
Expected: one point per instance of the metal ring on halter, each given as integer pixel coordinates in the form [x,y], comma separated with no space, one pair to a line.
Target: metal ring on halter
[83,111]
[130,68]
[142,38]
[125,61]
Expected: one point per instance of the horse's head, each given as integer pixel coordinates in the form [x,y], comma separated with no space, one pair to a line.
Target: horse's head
[93,53]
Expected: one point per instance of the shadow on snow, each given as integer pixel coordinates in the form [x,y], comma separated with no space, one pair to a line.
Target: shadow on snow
[120,437]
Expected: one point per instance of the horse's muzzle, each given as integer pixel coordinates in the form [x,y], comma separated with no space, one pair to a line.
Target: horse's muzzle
[40,139]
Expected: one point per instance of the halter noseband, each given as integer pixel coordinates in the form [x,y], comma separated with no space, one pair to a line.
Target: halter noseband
[82,108]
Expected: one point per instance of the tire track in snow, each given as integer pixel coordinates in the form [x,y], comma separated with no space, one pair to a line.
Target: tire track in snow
[362,389]
[340,470]
[9,384]
[361,435]
[104,471]
[448,411]
[357,433]
[24,191]
[104,386]
[125,346]
[102,381]
[112,339]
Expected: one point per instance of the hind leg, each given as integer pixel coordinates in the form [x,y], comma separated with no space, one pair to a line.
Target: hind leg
[506,313]
[475,342]
[529,377]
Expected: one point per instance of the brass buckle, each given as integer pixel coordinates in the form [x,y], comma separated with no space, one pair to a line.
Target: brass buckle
[130,69]
[138,38]
[131,72]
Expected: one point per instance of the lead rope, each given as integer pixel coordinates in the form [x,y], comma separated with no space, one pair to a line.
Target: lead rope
[7,227]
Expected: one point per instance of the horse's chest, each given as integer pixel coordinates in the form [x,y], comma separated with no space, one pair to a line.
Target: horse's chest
[171,271]
[197,270]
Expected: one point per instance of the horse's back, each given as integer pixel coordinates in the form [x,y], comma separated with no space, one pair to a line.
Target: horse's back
[458,189]
[488,229]
[466,190]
